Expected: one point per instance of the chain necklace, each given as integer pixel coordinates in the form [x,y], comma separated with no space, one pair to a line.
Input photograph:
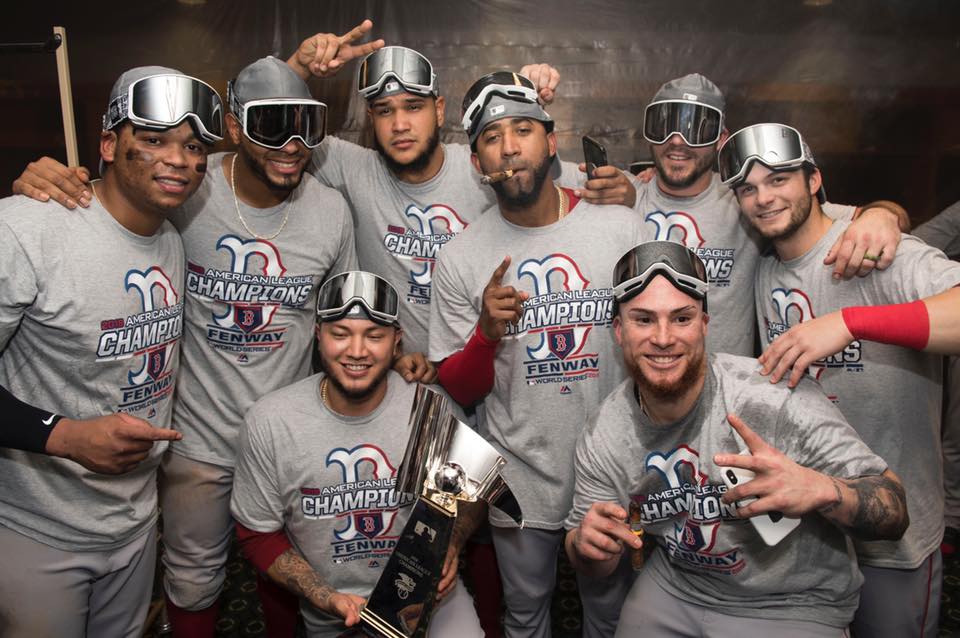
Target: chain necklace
[562,207]
[236,202]
[94,187]
[323,392]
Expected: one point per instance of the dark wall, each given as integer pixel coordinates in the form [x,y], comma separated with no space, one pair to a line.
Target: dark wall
[874,86]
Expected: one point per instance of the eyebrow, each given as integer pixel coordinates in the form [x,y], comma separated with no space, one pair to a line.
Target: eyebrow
[675,311]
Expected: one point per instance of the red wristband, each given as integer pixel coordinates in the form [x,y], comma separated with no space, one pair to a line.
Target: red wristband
[906,324]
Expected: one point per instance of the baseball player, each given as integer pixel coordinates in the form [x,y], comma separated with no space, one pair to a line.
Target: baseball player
[260,237]
[91,314]
[866,356]
[313,496]
[656,449]
[685,202]
[521,311]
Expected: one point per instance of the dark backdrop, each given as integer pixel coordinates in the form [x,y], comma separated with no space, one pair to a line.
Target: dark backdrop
[873,85]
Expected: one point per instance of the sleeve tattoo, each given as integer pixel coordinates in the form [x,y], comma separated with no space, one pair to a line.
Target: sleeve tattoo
[876,509]
[292,571]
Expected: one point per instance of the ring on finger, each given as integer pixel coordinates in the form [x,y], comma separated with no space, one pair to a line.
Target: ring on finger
[873,257]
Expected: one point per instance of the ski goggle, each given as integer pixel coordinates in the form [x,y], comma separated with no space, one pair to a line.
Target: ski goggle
[275,122]
[777,146]
[409,69]
[504,83]
[164,101]
[680,265]
[697,124]
[341,293]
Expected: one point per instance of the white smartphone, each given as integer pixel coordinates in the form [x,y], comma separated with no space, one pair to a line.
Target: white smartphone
[773,527]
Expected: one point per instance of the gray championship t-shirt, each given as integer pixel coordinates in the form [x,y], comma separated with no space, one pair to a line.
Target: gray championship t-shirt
[711,224]
[555,366]
[401,227]
[251,303]
[90,322]
[328,480]
[704,554]
[890,395]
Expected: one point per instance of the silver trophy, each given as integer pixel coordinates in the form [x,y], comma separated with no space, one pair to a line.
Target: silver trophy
[446,462]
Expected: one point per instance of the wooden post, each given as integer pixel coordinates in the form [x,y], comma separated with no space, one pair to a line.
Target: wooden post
[66,99]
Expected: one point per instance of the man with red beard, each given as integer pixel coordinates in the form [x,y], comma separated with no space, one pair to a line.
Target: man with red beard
[657,446]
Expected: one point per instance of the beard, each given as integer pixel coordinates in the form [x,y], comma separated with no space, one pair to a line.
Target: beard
[799,213]
[355,394]
[701,166]
[415,165]
[524,199]
[255,164]
[671,390]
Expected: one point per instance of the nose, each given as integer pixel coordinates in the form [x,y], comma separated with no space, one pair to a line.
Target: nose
[510,145]
[175,156]
[662,335]
[765,195]
[401,122]
[357,347]
[292,147]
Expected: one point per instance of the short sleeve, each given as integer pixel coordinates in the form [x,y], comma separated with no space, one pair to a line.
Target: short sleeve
[256,501]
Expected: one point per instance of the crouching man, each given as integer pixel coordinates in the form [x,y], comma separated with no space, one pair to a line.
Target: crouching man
[657,446]
[313,494]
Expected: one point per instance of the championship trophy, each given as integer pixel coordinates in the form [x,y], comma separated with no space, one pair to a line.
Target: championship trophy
[446,462]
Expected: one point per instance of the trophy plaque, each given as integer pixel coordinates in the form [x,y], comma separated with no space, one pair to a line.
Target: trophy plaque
[445,463]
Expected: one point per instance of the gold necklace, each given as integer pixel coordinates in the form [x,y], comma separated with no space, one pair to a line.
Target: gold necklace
[236,202]
[562,206]
[94,187]
[323,392]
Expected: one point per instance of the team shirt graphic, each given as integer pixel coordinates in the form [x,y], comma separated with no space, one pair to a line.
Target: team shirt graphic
[694,507]
[364,504]
[150,336]
[682,228]
[252,299]
[557,320]
[434,226]
[793,306]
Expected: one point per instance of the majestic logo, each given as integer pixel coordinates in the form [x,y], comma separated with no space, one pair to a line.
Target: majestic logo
[363,503]
[433,227]
[695,508]
[253,290]
[559,315]
[150,335]
[683,228]
[793,306]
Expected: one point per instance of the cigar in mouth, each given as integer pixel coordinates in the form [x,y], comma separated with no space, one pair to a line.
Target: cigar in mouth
[493,178]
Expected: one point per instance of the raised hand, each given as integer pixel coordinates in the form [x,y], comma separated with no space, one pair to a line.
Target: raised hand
[502,305]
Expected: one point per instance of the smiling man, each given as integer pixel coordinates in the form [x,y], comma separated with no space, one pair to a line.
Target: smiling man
[91,314]
[864,341]
[656,448]
[313,455]
[260,237]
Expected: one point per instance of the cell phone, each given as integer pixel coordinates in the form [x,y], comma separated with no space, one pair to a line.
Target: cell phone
[773,527]
[594,155]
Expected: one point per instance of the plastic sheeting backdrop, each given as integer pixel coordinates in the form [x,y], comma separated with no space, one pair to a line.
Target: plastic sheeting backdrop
[874,86]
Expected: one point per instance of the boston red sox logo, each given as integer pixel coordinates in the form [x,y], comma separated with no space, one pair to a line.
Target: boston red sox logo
[678,468]
[249,317]
[794,300]
[156,361]
[546,273]
[364,462]
[433,220]
[687,230]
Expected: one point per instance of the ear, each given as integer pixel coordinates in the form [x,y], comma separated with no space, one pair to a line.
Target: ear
[476,162]
[552,143]
[234,128]
[440,106]
[815,181]
[617,328]
[108,146]
[724,134]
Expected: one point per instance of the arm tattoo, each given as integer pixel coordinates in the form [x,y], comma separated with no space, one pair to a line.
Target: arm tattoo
[293,572]
[832,506]
[881,511]
[469,516]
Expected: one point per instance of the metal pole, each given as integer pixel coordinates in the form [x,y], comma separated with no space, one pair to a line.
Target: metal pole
[66,98]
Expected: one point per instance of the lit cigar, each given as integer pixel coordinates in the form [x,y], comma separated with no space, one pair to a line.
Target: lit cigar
[493,178]
[635,522]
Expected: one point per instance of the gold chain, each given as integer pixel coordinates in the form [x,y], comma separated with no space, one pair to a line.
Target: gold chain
[236,201]
[323,392]
[562,207]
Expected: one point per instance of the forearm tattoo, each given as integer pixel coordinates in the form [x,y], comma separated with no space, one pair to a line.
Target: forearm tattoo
[881,510]
[293,572]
